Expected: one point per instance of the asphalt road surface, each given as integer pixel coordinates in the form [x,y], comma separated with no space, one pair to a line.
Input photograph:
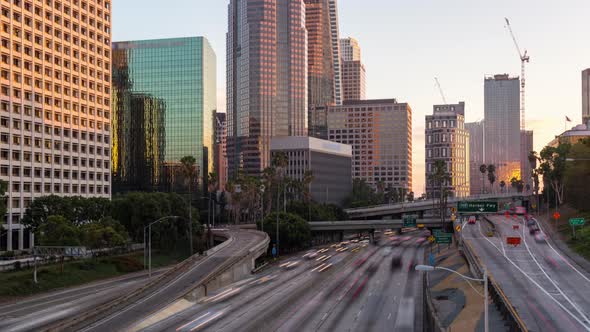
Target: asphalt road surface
[548,291]
[36,311]
[352,289]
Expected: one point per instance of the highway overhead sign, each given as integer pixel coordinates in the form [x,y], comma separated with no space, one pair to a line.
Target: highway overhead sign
[513,240]
[410,220]
[443,238]
[481,207]
[577,221]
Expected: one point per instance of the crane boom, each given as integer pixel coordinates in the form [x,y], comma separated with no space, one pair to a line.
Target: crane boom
[524,58]
[440,90]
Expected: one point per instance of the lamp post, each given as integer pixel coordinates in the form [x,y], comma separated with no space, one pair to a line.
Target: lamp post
[429,268]
[262,188]
[149,235]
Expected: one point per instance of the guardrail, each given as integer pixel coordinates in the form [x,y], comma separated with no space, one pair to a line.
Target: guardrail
[511,317]
[102,309]
[431,321]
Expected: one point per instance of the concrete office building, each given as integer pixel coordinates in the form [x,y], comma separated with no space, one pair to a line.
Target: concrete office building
[447,140]
[476,159]
[220,150]
[55,106]
[380,133]
[266,79]
[502,126]
[353,70]
[164,99]
[350,49]
[329,162]
[586,96]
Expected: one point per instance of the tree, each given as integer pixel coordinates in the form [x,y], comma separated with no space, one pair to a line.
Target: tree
[440,178]
[577,176]
[502,185]
[491,176]
[107,233]
[280,161]
[411,196]
[483,169]
[364,195]
[295,231]
[189,169]
[553,167]
[58,231]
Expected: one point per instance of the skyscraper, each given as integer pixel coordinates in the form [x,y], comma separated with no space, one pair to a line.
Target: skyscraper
[502,126]
[220,154]
[353,70]
[380,132]
[447,140]
[586,96]
[476,159]
[526,146]
[266,79]
[55,106]
[164,99]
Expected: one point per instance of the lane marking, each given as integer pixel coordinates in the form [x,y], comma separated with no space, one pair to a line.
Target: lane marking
[207,321]
[194,320]
[538,286]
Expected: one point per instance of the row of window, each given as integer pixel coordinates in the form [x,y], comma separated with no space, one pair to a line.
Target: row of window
[57,131]
[57,116]
[56,159]
[66,189]
[48,173]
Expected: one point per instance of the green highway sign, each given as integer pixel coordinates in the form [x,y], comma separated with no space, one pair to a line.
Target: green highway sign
[477,207]
[443,238]
[410,220]
[577,221]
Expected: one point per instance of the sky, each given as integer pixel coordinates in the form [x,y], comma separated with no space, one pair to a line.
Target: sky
[406,43]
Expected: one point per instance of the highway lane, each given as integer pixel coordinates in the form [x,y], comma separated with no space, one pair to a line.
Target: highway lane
[540,291]
[353,290]
[33,312]
[122,318]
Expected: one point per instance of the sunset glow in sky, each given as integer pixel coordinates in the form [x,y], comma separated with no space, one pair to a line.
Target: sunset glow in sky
[405,44]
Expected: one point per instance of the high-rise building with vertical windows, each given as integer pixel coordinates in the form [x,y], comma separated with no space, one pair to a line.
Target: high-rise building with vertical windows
[476,159]
[353,70]
[266,79]
[586,96]
[164,100]
[54,105]
[380,133]
[447,140]
[220,154]
[502,126]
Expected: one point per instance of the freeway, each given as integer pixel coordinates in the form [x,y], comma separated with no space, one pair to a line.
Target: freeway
[548,291]
[329,289]
[121,317]
[37,311]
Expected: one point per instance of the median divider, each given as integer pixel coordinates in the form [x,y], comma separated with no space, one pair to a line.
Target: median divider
[511,317]
[97,312]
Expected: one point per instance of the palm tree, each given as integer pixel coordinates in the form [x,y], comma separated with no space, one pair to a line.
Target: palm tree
[491,176]
[441,177]
[483,169]
[502,185]
[189,169]
[514,182]
[280,161]
[212,188]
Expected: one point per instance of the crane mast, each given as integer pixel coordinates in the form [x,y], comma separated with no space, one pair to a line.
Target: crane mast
[524,58]
[440,90]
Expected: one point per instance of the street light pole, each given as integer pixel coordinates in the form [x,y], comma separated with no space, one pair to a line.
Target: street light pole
[149,234]
[429,268]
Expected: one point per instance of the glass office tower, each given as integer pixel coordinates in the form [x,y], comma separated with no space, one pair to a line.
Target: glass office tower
[164,98]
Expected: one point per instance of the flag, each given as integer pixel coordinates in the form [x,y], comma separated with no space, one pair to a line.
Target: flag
[568,119]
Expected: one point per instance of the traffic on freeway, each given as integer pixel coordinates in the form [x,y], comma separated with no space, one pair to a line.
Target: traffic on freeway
[353,285]
[548,291]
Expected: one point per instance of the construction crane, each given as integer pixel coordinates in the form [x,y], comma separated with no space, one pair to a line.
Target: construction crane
[440,90]
[524,58]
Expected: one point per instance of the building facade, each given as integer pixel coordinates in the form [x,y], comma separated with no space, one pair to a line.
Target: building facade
[353,81]
[447,140]
[502,126]
[329,163]
[380,133]
[350,49]
[266,79]
[55,127]
[164,99]
[586,96]
[476,158]
[571,136]
[220,155]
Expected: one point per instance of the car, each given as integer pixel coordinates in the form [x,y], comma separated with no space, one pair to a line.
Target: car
[540,237]
[396,262]
[515,226]
[405,238]
[420,240]
[520,210]
[471,220]
[533,230]
[530,223]
[372,269]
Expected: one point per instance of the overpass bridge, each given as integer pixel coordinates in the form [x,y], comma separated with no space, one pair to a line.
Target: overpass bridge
[368,225]
[388,210]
